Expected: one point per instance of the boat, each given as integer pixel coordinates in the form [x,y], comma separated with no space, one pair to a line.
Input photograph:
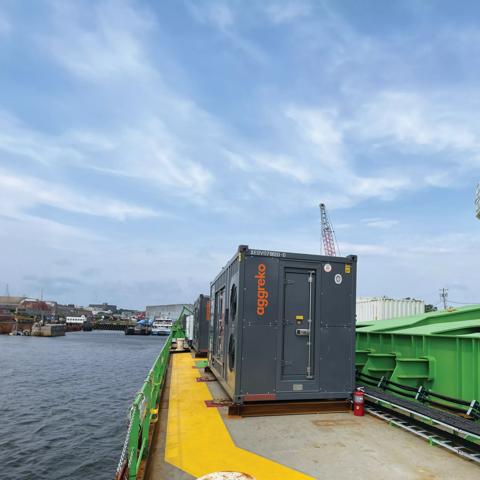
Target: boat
[130,330]
[138,330]
[87,326]
[162,327]
[40,329]
[19,333]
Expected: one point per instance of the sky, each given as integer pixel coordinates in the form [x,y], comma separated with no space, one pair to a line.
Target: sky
[141,142]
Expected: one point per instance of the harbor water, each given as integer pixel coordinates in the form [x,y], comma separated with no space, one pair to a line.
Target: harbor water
[65,400]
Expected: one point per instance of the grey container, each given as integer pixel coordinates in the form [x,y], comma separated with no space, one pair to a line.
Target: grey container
[283,326]
[201,324]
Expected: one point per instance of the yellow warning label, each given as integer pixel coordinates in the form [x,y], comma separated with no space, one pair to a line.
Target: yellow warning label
[347,268]
[299,317]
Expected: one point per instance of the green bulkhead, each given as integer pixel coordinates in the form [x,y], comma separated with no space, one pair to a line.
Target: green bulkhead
[439,351]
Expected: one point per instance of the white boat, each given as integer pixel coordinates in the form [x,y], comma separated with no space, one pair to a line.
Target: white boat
[162,327]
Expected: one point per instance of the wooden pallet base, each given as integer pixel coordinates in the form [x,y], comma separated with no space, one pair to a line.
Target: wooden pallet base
[200,354]
[174,350]
[261,409]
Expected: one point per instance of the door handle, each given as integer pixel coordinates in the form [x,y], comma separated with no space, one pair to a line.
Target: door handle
[302,332]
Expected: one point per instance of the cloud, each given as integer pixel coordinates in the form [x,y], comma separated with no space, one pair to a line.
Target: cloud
[319,151]
[150,152]
[437,138]
[320,128]
[160,157]
[271,106]
[5,26]
[19,194]
[283,165]
[20,141]
[342,226]
[364,249]
[287,11]
[214,12]
[385,188]
[161,137]
[17,227]
[411,120]
[56,286]
[108,44]
[187,151]
[224,18]
[380,222]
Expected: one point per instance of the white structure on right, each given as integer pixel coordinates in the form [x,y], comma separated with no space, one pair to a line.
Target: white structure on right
[383,308]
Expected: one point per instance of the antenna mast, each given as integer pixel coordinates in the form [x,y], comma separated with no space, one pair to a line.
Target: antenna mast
[328,237]
[444,296]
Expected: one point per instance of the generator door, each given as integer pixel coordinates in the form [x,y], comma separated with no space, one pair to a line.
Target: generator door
[298,336]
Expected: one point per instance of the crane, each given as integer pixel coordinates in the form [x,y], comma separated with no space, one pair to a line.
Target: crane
[477,202]
[328,234]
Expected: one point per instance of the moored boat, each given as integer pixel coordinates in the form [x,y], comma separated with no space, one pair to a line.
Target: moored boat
[162,327]
[138,330]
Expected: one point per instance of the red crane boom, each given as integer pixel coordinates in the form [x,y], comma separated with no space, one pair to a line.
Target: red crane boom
[327,233]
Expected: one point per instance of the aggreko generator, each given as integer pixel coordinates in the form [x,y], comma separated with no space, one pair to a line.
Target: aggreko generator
[283,326]
[201,319]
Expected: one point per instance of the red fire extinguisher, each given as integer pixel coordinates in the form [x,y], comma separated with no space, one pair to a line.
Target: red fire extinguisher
[358,403]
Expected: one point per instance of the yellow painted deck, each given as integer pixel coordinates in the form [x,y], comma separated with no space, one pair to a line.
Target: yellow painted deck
[198,441]
[192,440]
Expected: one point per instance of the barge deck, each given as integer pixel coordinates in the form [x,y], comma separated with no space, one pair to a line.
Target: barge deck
[192,439]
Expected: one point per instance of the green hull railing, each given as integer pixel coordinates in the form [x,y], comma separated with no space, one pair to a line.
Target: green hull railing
[144,410]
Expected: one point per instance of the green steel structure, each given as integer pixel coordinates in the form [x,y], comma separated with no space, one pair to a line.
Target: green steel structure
[439,351]
[144,410]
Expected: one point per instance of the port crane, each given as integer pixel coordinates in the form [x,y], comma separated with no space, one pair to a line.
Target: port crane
[328,234]
[477,202]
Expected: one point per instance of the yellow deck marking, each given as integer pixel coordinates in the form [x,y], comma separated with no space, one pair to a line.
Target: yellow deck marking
[198,441]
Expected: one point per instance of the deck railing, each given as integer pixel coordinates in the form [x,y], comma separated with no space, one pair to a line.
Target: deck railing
[144,410]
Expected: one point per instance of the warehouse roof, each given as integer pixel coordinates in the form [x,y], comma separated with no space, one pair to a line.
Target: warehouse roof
[9,300]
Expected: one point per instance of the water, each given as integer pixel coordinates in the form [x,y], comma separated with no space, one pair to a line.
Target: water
[64,402]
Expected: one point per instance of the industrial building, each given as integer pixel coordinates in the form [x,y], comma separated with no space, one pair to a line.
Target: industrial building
[8,308]
[166,312]
[76,320]
[96,308]
[382,308]
[10,302]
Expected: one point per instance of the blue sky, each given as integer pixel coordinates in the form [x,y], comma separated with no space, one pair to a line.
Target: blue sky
[141,142]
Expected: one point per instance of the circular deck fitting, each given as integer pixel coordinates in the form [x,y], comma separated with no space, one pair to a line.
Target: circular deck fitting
[227,476]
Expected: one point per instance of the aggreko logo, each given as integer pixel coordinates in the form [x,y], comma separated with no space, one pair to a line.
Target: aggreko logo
[262,293]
